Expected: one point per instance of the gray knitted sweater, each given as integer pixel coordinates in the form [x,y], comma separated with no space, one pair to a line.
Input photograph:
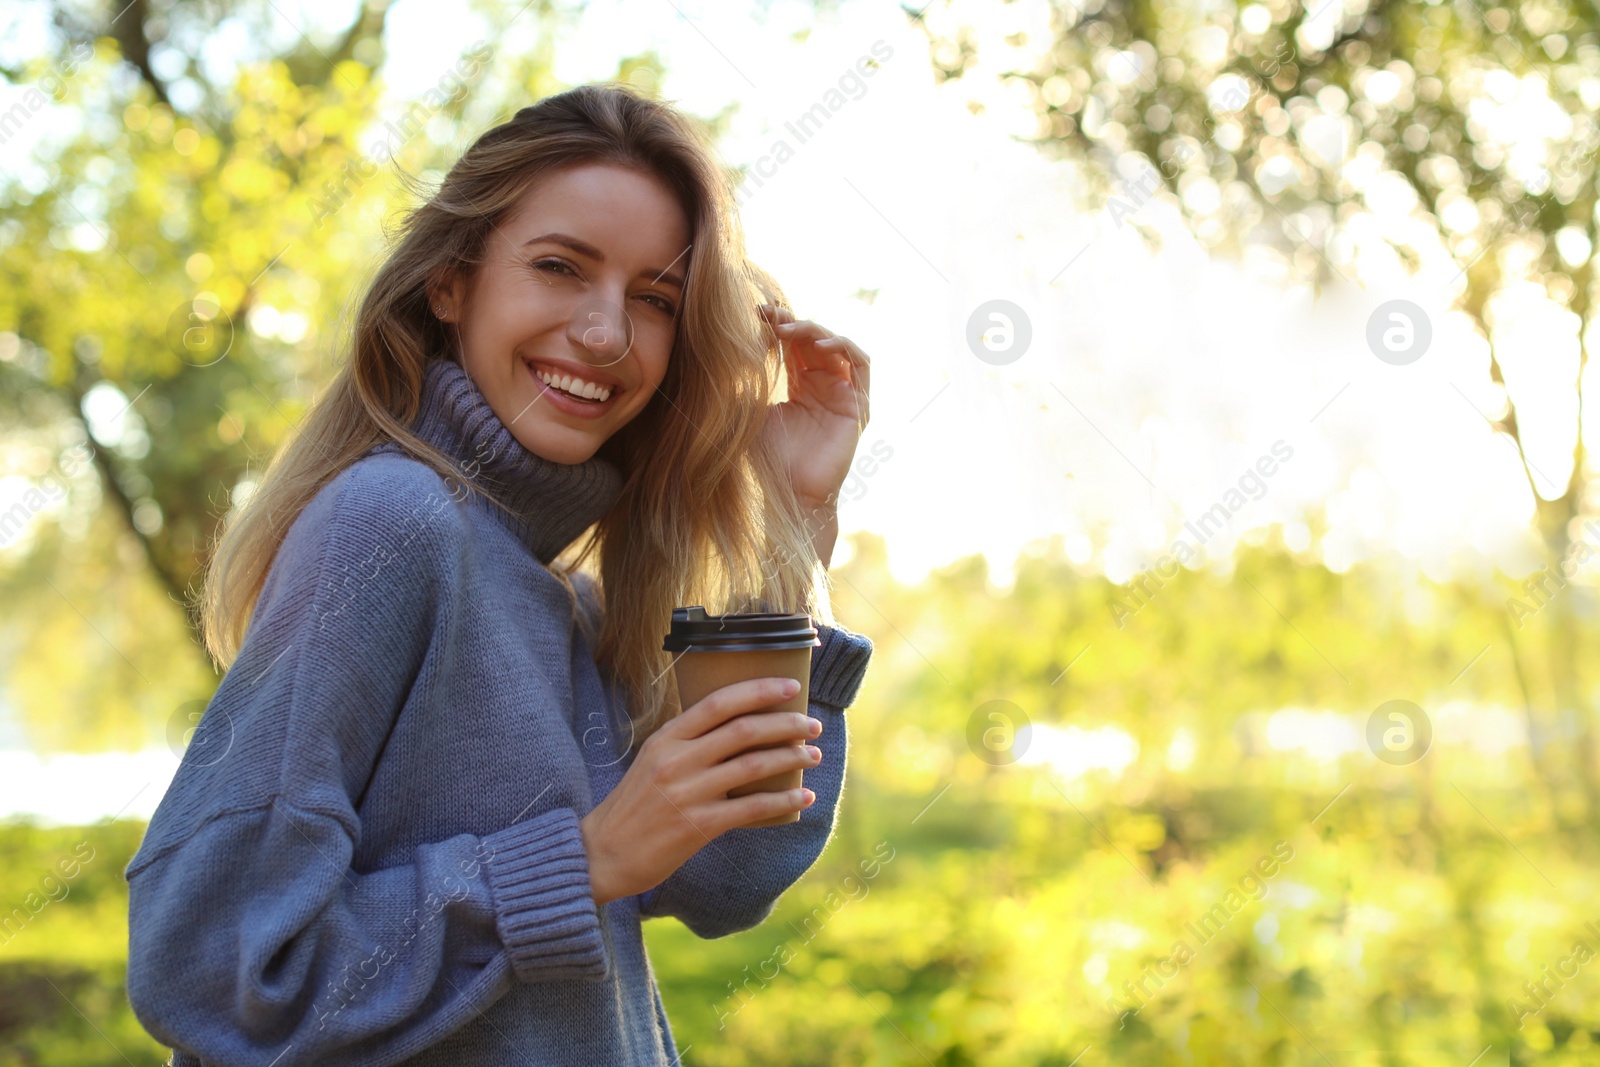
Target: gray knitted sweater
[371,852]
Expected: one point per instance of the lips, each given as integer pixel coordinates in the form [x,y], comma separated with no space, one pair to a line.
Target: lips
[576,378]
[568,403]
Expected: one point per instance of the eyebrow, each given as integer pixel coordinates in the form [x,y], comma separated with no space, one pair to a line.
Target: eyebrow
[587,249]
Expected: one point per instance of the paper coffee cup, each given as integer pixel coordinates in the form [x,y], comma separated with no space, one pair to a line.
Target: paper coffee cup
[711,651]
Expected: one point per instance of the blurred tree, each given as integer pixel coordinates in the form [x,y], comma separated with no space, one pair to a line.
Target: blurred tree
[1438,133]
[176,258]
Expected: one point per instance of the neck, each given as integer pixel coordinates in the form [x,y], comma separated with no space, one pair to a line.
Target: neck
[550,504]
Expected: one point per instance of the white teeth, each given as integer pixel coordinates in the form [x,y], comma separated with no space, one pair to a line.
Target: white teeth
[575,386]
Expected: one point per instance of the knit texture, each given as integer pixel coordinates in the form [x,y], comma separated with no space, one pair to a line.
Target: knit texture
[371,852]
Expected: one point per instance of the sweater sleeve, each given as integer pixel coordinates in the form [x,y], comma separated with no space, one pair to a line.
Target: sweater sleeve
[254,938]
[734,882]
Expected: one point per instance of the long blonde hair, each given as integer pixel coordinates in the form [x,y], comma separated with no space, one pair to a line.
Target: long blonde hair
[706,514]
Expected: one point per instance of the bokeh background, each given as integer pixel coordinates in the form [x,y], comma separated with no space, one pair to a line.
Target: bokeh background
[1225,522]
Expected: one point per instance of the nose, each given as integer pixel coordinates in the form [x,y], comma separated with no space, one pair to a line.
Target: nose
[602,331]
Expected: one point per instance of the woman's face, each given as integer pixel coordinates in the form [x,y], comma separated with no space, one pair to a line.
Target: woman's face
[582,284]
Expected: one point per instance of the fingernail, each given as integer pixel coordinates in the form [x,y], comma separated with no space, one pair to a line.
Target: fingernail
[790,687]
[813,753]
[815,728]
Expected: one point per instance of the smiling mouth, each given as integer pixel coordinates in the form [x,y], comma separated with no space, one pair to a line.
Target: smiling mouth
[571,387]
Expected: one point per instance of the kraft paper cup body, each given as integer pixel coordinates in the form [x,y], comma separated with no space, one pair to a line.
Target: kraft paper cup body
[699,673]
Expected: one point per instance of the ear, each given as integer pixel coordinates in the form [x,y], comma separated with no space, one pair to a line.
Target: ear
[446,298]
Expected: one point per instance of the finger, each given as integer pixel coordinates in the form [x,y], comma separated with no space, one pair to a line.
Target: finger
[834,354]
[861,371]
[860,368]
[720,705]
[843,362]
[846,349]
[802,357]
[797,342]
[842,349]
[802,328]
[774,314]
[818,349]
[754,807]
[815,351]
[861,378]
[754,766]
[751,730]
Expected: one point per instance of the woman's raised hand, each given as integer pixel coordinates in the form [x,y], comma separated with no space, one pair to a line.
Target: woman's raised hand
[673,800]
[817,428]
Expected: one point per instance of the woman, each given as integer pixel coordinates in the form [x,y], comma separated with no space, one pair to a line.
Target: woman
[445,776]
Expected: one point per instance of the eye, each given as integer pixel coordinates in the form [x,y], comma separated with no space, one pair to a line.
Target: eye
[662,303]
[549,264]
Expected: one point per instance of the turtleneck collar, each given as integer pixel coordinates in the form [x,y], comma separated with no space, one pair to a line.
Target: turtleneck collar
[551,503]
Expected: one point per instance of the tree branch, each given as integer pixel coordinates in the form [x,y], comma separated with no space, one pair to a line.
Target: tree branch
[128,30]
[108,476]
[102,463]
[368,23]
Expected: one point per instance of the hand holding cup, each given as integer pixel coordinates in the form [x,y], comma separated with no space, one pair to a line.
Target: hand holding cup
[674,798]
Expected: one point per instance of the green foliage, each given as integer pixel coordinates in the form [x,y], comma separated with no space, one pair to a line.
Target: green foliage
[1416,903]
[1243,99]
[1026,912]
[233,235]
[63,966]
[972,913]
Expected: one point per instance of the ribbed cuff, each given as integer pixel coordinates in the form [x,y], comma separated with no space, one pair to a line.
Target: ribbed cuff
[544,902]
[838,665]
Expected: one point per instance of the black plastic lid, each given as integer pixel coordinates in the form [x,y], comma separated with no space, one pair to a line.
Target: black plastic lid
[756,631]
